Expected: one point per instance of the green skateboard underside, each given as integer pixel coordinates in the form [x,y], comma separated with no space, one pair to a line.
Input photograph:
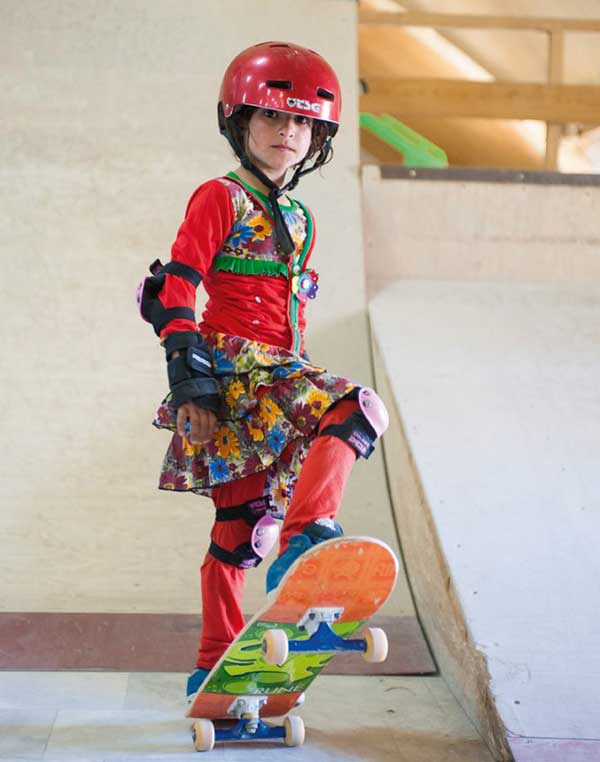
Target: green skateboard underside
[245,672]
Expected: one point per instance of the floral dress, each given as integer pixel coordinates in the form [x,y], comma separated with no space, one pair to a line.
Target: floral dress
[272,397]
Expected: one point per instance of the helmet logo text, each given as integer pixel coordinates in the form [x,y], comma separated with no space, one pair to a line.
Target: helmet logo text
[304,105]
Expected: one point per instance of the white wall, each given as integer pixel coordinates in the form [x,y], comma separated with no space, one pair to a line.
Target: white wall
[453,230]
[109,124]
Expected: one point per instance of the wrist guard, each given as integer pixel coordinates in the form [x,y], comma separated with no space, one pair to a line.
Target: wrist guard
[190,373]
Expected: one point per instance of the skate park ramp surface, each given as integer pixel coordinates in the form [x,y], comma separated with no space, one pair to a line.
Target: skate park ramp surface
[493,465]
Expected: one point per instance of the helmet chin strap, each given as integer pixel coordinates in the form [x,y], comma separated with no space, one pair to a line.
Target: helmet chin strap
[282,234]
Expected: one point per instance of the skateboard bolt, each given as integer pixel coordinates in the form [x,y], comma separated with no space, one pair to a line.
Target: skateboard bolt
[312,615]
[258,543]
[260,531]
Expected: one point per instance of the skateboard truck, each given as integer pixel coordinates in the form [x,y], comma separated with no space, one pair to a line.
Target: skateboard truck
[318,622]
[249,726]
[247,708]
[313,618]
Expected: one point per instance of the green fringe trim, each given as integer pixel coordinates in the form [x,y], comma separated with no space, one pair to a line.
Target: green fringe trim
[244,266]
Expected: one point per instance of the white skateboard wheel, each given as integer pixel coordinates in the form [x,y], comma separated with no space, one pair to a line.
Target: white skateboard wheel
[203,733]
[377,645]
[294,731]
[275,647]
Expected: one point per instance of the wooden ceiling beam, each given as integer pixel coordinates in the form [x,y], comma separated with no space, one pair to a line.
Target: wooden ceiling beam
[555,103]
[472,21]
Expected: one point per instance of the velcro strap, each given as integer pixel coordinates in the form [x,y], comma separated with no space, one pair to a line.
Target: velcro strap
[355,431]
[243,556]
[183,271]
[162,316]
[194,364]
[177,371]
[193,388]
[181,340]
[251,511]
[199,360]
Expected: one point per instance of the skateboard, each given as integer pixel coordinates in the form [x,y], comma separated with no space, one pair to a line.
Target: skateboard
[324,598]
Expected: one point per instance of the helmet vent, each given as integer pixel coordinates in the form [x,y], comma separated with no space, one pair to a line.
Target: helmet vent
[280,84]
[325,94]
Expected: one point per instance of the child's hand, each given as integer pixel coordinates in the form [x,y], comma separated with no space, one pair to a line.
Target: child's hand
[202,423]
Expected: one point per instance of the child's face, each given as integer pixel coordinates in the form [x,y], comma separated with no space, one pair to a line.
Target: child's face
[277,141]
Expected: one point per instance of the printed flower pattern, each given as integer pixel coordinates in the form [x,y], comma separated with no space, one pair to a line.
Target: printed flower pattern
[306,416]
[274,401]
[292,370]
[279,491]
[175,482]
[240,234]
[234,391]
[242,204]
[256,433]
[218,470]
[296,224]
[318,401]
[261,227]
[276,440]
[191,449]
[252,232]
[227,443]
[269,412]
[221,363]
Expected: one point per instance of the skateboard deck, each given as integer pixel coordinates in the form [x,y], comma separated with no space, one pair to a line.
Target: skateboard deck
[354,576]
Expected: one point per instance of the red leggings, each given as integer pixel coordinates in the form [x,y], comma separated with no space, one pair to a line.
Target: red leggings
[318,494]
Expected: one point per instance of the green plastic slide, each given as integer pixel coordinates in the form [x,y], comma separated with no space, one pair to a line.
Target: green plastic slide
[416,150]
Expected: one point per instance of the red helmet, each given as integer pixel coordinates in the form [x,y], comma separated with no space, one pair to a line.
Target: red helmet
[283,77]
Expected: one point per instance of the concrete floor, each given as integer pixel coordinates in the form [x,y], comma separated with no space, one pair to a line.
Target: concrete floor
[97,716]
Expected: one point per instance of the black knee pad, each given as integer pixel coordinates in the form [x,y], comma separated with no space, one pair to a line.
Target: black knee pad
[364,426]
[244,556]
[257,514]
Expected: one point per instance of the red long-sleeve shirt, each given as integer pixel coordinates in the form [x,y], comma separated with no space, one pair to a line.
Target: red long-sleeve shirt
[254,306]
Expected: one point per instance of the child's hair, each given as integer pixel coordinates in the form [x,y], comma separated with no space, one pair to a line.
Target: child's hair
[240,119]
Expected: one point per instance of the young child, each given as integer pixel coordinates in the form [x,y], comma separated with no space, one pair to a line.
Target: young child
[257,426]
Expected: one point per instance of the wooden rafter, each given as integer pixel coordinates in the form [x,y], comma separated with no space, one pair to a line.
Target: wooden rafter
[466,21]
[488,100]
